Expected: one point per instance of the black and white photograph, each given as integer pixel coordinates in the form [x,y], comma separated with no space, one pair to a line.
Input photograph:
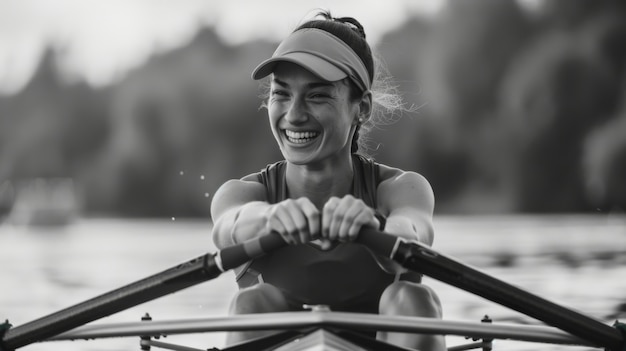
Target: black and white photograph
[231,175]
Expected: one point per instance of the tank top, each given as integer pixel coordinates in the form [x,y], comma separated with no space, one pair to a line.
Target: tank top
[344,274]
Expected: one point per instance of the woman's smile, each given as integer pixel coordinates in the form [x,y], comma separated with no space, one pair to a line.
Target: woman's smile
[300,137]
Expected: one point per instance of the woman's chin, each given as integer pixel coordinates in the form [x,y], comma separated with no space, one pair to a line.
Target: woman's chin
[298,159]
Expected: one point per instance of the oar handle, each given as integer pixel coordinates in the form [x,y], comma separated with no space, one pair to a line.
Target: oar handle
[233,256]
[230,257]
[236,255]
[382,244]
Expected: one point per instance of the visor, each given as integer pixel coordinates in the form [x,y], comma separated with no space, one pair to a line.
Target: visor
[321,53]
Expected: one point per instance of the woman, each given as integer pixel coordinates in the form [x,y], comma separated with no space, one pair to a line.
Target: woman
[323,192]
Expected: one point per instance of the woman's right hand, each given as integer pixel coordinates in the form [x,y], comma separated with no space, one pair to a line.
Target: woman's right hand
[296,220]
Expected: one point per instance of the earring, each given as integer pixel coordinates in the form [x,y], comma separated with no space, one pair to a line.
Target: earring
[361,120]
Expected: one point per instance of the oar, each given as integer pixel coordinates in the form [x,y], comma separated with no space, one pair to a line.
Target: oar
[182,276]
[420,258]
[411,255]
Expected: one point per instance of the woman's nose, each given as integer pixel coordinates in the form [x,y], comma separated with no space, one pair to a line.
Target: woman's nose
[297,112]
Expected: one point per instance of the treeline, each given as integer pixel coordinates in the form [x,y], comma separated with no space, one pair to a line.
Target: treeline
[518,111]
[526,107]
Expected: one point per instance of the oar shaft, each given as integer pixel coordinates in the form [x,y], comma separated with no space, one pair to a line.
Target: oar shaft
[420,258]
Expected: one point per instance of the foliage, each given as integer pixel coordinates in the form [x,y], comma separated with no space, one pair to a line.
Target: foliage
[518,111]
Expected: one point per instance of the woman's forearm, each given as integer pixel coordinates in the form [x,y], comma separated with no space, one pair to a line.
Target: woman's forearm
[421,231]
[240,224]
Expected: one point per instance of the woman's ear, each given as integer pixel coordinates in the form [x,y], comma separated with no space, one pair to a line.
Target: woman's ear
[365,107]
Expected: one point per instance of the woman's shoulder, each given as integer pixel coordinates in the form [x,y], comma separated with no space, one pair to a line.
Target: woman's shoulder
[393,174]
[250,187]
[397,183]
[404,189]
[246,188]
[252,177]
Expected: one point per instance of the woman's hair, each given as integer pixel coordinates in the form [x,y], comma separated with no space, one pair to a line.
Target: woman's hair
[386,100]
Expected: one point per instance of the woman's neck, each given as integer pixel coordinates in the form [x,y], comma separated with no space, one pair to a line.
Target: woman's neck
[320,182]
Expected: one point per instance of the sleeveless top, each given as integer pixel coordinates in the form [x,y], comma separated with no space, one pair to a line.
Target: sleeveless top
[344,274]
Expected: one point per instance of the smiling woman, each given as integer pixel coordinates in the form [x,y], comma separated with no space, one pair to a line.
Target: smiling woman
[321,95]
[296,94]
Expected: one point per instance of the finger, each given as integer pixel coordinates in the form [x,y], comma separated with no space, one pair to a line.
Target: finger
[299,228]
[312,215]
[348,221]
[335,222]
[275,224]
[327,216]
[364,218]
[347,208]
[283,214]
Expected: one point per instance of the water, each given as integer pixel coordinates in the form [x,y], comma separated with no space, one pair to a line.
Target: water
[577,261]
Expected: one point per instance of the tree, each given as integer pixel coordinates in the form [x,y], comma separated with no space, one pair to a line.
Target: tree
[553,96]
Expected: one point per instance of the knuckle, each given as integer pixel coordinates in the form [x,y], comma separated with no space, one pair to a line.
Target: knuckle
[279,208]
[313,215]
[302,227]
[365,216]
[350,199]
[351,216]
[273,210]
[271,221]
[328,207]
[302,200]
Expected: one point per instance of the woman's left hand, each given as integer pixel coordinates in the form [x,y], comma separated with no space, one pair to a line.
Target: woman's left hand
[342,218]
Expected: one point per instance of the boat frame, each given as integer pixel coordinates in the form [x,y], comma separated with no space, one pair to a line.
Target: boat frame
[345,325]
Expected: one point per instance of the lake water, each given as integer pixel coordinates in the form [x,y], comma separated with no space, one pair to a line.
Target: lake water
[577,261]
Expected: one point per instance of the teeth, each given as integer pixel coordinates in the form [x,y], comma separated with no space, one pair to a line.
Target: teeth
[300,137]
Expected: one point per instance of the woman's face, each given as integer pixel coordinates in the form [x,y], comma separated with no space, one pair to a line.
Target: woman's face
[312,119]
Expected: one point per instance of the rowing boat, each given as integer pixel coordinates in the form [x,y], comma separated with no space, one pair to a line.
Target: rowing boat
[319,329]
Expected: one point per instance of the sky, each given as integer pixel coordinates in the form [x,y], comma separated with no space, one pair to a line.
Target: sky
[100,40]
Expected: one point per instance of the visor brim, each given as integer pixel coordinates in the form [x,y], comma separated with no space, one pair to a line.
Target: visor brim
[314,64]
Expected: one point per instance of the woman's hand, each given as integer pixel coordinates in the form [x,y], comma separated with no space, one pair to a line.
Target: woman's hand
[296,220]
[342,218]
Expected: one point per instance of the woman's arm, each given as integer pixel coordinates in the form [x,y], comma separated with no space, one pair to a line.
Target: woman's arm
[239,211]
[407,199]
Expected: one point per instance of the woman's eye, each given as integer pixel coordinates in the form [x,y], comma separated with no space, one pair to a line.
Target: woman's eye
[319,95]
[279,93]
